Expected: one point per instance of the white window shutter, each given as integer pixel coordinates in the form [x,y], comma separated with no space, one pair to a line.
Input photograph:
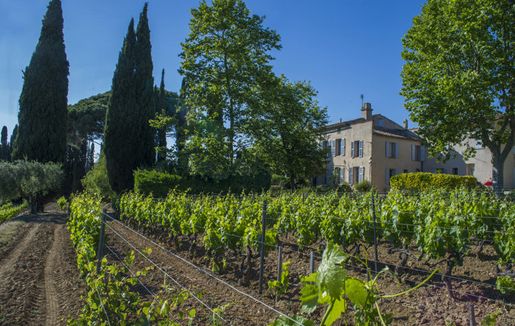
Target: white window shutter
[352,149]
[350,176]
[343,147]
[387,149]
[360,148]
[361,172]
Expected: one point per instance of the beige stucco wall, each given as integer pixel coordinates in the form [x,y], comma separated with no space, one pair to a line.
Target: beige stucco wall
[483,164]
[359,131]
[455,161]
[380,163]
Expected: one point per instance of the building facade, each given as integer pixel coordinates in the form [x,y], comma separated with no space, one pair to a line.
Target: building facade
[374,148]
[481,167]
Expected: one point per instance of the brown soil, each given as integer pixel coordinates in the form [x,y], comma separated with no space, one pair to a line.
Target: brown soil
[429,305]
[39,282]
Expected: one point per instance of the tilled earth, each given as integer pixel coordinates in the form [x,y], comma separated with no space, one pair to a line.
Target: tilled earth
[39,281]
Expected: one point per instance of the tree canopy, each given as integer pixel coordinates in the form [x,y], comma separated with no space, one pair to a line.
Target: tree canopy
[287,132]
[225,58]
[43,100]
[458,79]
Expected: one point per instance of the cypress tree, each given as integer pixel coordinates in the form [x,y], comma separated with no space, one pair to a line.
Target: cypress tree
[4,147]
[12,140]
[43,100]
[90,161]
[161,107]
[144,82]
[4,136]
[121,128]
[180,131]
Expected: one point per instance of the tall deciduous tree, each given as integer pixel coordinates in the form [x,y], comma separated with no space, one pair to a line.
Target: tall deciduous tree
[144,85]
[43,100]
[288,131]
[224,59]
[458,79]
[121,137]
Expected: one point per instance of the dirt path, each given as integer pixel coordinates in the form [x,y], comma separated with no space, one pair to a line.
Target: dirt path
[39,283]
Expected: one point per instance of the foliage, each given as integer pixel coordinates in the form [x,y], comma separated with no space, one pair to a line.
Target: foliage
[505,284]
[160,183]
[333,288]
[363,186]
[423,181]
[86,117]
[8,211]
[5,147]
[96,180]
[111,297]
[144,86]
[225,61]
[43,100]
[63,204]
[155,182]
[129,139]
[459,72]
[29,180]
[162,120]
[286,129]
[441,224]
[281,286]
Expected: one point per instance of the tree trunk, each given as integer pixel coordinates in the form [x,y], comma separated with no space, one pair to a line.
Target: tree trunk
[498,172]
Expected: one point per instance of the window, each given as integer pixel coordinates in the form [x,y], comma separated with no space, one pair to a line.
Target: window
[338,175]
[338,147]
[455,171]
[356,174]
[416,152]
[361,175]
[391,150]
[356,149]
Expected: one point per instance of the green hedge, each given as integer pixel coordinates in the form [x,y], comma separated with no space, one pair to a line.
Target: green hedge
[160,183]
[420,181]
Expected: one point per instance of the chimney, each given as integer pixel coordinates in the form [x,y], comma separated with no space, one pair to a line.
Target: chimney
[367,111]
[405,123]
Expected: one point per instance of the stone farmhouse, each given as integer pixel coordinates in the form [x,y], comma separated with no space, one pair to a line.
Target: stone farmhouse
[375,148]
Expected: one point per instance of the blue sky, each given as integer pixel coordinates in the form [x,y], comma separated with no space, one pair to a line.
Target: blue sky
[343,47]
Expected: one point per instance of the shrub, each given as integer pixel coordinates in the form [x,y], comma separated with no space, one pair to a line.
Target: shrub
[155,182]
[62,203]
[96,181]
[160,183]
[29,180]
[421,181]
[363,186]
